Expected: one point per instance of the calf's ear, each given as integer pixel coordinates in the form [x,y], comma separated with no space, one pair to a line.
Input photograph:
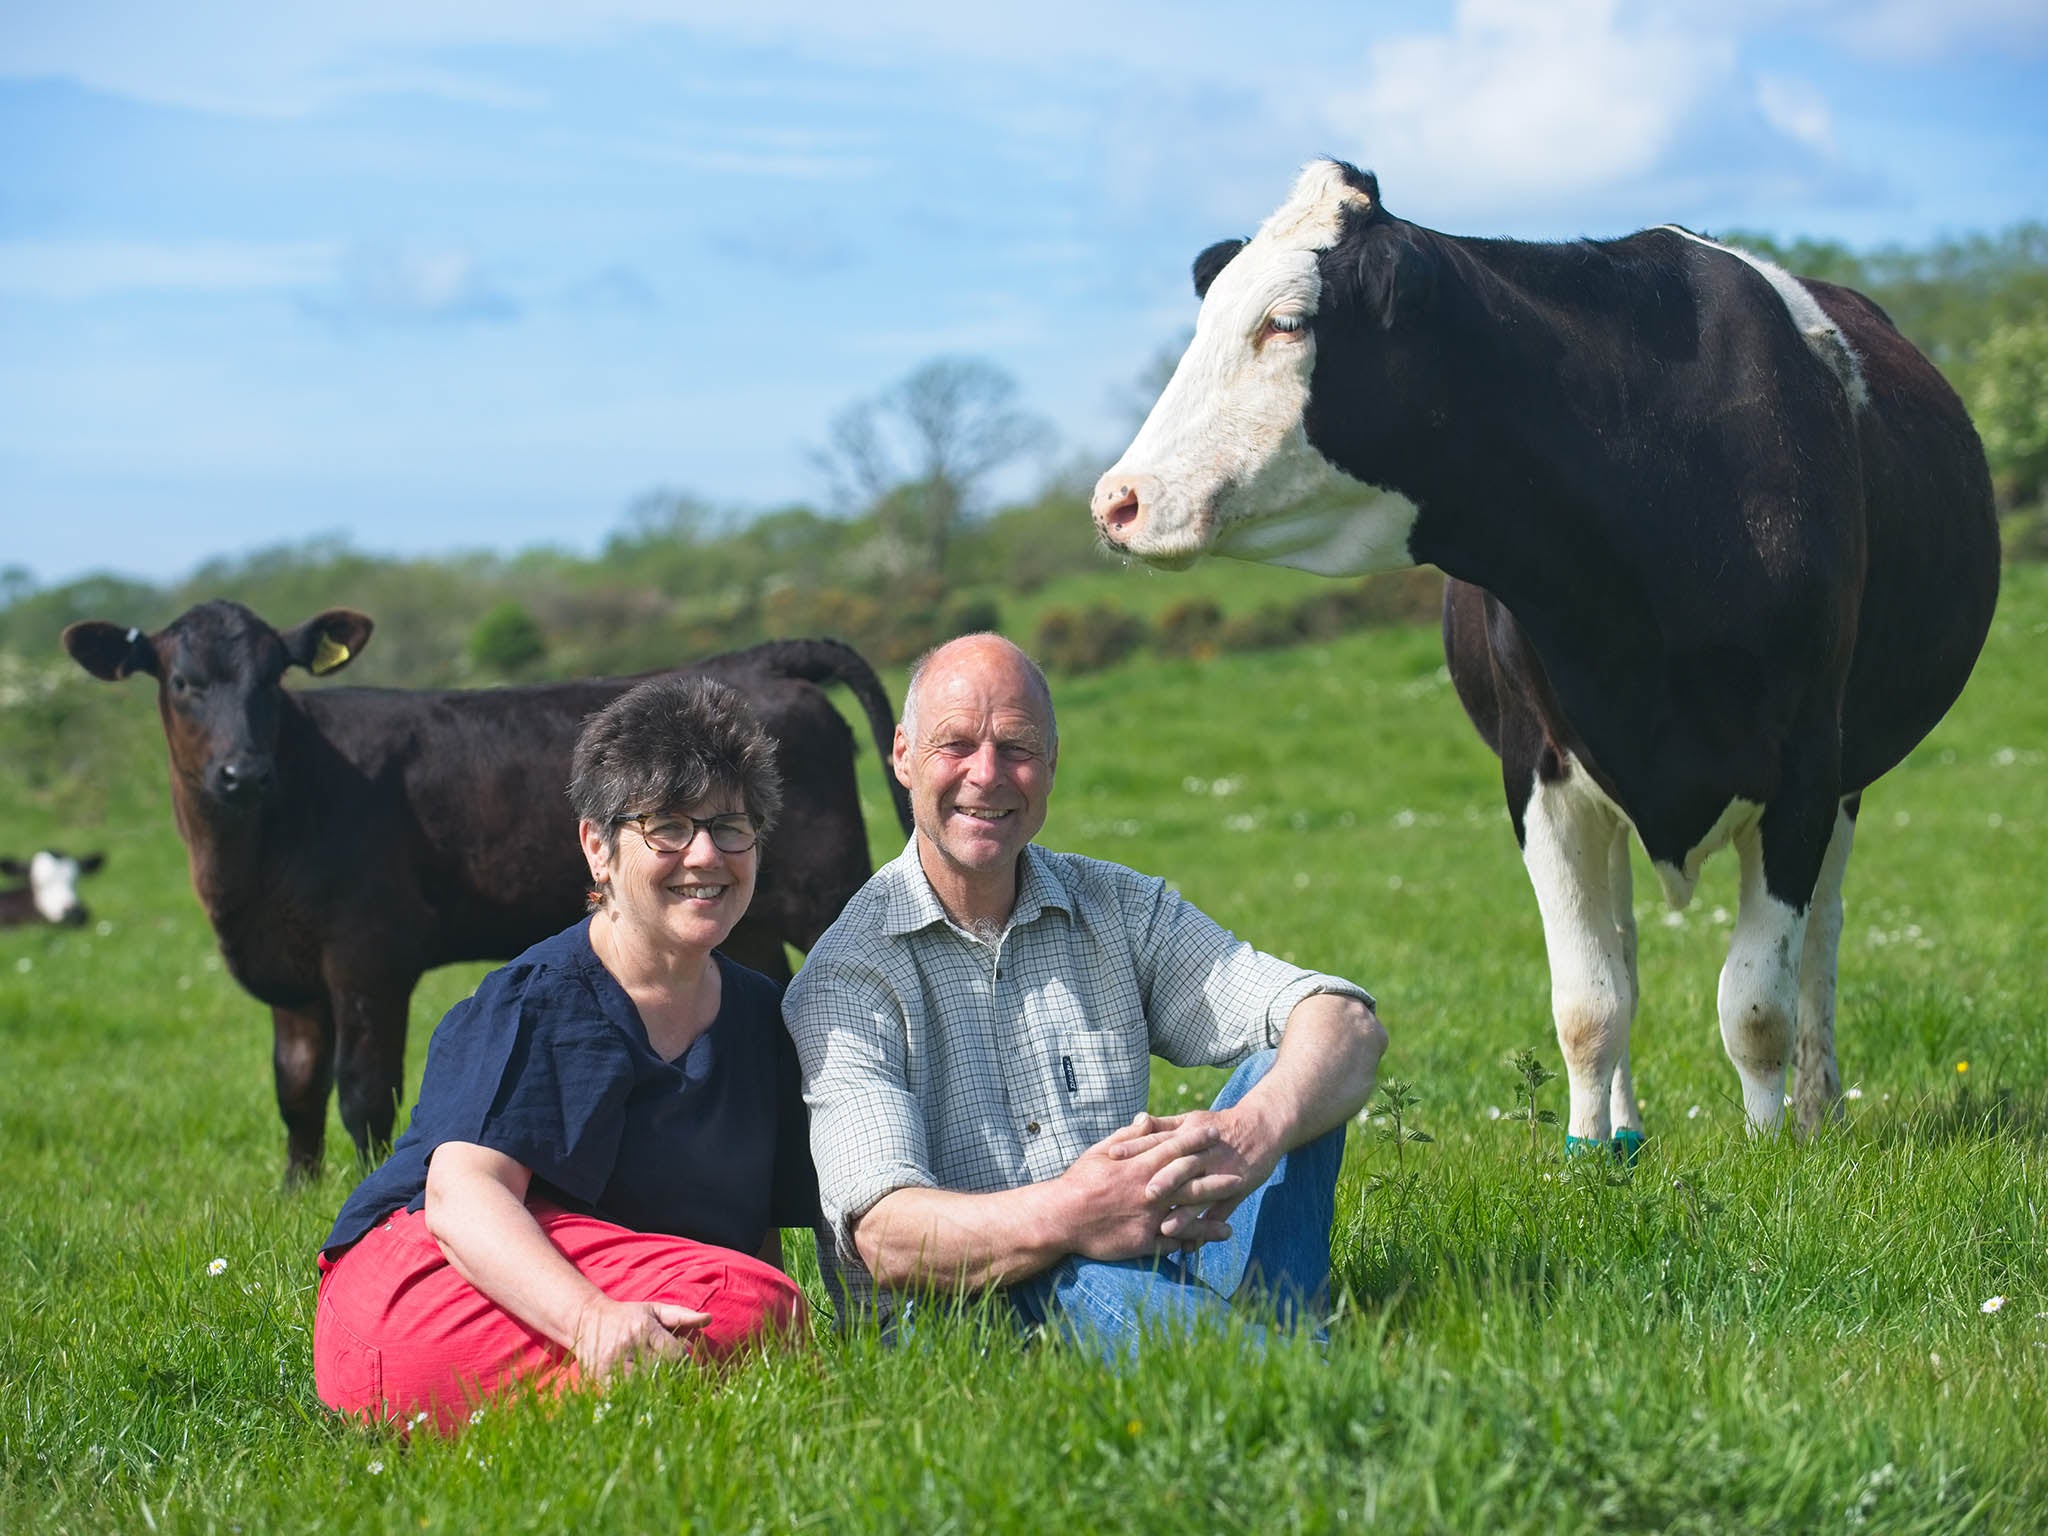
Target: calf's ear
[91,862]
[1212,261]
[108,651]
[328,641]
[13,869]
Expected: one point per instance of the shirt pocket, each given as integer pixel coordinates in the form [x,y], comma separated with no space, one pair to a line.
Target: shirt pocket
[1100,1079]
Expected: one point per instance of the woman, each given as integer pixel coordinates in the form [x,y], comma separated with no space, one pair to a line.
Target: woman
[610,1133]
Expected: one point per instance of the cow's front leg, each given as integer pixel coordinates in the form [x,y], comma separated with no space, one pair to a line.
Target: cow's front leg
[1817,1082]
[1622,1108]
[1569,848]
[302,1061]
[369,1031]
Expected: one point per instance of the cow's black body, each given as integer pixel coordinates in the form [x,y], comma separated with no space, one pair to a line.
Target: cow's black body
[392,831]
[1706,574]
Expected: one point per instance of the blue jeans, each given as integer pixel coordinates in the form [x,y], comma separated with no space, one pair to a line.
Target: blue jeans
[1277,1258]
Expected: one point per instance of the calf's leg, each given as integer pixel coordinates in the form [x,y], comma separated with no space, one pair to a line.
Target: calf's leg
[369,1030]
[302,1060]
[1622,1108]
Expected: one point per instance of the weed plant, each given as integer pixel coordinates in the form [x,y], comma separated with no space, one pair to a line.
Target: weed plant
[1738,1335]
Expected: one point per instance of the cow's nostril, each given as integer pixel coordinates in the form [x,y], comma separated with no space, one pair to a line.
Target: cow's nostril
[1123,511]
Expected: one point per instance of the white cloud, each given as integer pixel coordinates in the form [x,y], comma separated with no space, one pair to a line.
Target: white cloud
[414,284]
[87,269]
[1796,109]
[1518,103]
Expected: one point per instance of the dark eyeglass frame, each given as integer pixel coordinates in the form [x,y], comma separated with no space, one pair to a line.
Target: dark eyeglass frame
[726,837]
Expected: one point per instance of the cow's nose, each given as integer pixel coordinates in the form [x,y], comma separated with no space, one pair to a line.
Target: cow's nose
[1119,504]
[241,779]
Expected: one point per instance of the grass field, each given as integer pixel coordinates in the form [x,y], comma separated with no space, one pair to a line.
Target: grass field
[1742,1336]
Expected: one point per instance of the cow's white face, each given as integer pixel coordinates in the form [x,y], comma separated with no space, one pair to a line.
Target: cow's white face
[1223,464]
[53,885]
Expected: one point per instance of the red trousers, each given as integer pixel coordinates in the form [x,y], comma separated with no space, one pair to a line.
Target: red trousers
[397,1332]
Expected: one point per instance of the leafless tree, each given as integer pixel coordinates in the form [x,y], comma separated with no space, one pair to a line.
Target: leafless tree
[917,454]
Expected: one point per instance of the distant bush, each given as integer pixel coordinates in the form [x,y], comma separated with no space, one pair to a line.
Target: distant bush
[1088,640]
[971,615]
[1265,628]
[1192,628]
[507,640]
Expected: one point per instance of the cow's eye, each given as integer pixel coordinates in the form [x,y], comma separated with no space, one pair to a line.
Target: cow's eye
[178,683]
[1286,324]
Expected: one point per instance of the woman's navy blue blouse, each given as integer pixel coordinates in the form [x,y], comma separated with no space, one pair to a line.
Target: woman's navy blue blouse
[549,1064]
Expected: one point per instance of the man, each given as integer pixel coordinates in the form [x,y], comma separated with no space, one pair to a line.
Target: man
[975,1033]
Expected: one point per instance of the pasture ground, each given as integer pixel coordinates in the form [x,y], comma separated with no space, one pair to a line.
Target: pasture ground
[1741,1336]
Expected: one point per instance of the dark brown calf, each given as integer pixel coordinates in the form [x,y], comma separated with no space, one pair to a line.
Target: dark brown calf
[345,840]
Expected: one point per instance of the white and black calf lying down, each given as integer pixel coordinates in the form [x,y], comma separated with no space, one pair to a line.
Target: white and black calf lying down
[1722,550]
[51,892]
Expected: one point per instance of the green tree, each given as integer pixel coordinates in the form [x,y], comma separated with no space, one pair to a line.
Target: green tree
[2008,397]
[507,640]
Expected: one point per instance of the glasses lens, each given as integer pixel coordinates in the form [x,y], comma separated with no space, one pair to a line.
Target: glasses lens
[672,834]
[732,834]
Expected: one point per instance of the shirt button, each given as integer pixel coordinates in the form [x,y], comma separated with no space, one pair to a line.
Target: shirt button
[1031,1126]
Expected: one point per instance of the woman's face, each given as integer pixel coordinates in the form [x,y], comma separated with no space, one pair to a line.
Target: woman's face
[686,900]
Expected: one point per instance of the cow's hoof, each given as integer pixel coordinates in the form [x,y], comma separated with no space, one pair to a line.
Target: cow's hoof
[1579,1146]
[1628,1146]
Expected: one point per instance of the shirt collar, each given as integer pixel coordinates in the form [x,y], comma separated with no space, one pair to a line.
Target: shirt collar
[914,905]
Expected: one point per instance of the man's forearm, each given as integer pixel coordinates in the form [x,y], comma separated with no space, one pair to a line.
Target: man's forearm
[961,1242]
[1323,1072]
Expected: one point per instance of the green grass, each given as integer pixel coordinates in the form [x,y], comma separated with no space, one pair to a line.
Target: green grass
[1743,1336]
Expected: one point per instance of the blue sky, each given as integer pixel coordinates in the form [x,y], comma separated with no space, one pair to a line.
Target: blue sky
[444,274]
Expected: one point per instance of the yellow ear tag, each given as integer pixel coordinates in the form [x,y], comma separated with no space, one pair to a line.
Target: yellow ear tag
[328,654]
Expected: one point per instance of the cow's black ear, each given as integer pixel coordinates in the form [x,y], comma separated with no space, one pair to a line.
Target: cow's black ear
[90,863]
[1395,274]
[1212,261]
[328,641]
[108,651]
[13,869]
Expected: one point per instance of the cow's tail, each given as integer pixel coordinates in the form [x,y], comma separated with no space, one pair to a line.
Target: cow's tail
[834,661]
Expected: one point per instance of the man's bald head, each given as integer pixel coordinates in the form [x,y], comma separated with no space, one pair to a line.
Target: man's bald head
[989,655]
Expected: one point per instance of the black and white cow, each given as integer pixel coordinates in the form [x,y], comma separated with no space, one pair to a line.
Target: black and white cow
[1722,547]
[51,894]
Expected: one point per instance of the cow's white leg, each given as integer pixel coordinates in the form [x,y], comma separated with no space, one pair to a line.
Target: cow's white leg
[1568,849]
[1817,1082]
[1621,1099]
[1759,994]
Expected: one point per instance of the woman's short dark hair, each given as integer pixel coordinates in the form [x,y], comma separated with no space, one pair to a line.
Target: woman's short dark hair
[670,743]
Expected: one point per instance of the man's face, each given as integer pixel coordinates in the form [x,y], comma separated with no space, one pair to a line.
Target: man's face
[981,767]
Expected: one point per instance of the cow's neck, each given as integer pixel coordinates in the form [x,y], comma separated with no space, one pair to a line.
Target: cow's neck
[1525,496]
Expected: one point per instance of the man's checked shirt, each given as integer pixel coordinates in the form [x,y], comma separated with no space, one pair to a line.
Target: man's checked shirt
[933,1059]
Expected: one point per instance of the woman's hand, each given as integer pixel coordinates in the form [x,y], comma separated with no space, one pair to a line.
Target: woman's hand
[616,1335]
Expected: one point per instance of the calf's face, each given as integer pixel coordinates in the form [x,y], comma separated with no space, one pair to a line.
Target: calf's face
[219,672]
[1226,463]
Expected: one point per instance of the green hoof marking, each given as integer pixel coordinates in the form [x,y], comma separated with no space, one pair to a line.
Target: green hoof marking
[1575,1146]
[1628,1146]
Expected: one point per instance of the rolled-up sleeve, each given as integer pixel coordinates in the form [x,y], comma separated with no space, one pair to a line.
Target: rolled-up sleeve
[1210,998]
[867,1127]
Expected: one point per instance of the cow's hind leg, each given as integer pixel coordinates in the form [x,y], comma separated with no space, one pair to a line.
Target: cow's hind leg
[302,1060]
[1817,1081]
[1569,848]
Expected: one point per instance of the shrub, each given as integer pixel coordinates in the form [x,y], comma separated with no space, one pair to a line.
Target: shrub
[507,641]
[1087,641]
[1192,627]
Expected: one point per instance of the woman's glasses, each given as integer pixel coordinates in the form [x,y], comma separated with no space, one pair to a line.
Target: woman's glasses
[671,832]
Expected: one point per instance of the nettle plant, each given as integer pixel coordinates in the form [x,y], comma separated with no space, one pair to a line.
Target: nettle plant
[1391,1109]
[1530,1076]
